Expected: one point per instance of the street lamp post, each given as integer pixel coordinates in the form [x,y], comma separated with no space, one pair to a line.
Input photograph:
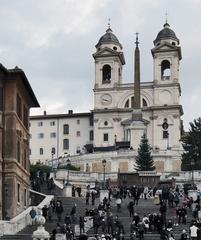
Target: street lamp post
[52,159]
[68,163]
[104,165]
[192,170]
[87,167]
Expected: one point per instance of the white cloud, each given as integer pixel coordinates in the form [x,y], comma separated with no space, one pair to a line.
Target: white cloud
[53,42]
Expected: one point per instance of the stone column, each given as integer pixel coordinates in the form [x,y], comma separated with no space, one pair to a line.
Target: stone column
[40,233]
[67,191]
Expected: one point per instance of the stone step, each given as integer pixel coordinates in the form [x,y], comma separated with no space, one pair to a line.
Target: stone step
[17,237]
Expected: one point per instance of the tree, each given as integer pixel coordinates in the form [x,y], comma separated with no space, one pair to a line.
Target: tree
[144,160]
[34,168]
[191,158]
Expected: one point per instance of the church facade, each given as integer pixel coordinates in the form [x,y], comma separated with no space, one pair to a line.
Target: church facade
[116,132]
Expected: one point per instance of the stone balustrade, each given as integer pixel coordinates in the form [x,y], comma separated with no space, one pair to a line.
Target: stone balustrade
[22,220]
[84,177]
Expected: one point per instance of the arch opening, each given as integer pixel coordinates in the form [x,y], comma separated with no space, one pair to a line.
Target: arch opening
[106,78]
[165,70]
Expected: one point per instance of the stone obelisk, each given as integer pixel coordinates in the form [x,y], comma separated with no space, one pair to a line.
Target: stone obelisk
[137,126]
[137,112]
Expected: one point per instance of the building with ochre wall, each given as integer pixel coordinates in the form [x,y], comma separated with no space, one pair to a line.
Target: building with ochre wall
[16,98]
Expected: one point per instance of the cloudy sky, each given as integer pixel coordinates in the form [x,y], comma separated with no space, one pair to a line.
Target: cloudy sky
[53,42]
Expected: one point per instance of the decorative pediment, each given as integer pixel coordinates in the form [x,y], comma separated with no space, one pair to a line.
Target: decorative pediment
[167,47]
[107,52]
[129,121]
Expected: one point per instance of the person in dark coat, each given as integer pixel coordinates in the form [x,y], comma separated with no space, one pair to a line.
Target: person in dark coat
[181,213]
[131,208]
[110,223]
[73,210]
[184,235]
[82,224]
[163,210]
[59,210]
[45,211]
[87,197]
[93,197]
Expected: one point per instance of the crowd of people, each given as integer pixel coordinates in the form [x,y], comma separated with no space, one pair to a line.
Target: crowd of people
[106,219]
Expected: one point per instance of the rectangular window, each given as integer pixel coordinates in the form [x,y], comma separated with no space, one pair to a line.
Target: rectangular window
[91,120]
[78,121]
[1,99]
[41,151]
[66,129]
[25,117]
[19,107]
[91,135]
[165,134]
[40,124]
[18,151]
[25,197]
[53,135]
[30,151]
[52,123]
[30,136]
[18,193]
[65,144]
[78,133]
[105,137]
[41,135]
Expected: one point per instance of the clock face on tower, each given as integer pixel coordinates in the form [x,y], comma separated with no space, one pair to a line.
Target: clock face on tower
[106,99]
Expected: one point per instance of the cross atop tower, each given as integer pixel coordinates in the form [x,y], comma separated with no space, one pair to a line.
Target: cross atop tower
[137,42]
[109,20]
[166,17]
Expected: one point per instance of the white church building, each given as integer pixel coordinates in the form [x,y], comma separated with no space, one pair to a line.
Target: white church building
[122,112]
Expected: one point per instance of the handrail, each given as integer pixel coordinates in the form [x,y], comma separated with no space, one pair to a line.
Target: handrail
[22,220]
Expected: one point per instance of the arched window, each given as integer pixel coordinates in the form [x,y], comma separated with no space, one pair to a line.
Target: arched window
[165,70]
[106,73]
[144,103]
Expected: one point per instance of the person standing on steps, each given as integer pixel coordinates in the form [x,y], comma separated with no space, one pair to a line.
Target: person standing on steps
[131,208]
[82,224]
[93,197]
[33,214]
[87,197]
[59,210]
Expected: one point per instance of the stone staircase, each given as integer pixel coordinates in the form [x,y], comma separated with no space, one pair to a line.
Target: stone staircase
[144,207]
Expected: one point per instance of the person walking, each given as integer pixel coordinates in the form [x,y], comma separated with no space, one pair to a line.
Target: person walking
[87,197]
[59,210]
[82,224]
[93,197]
[45,211]
[118,204]
[131,208]
[33,214]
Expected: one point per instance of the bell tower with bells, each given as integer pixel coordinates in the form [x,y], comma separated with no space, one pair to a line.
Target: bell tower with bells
[109,61]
